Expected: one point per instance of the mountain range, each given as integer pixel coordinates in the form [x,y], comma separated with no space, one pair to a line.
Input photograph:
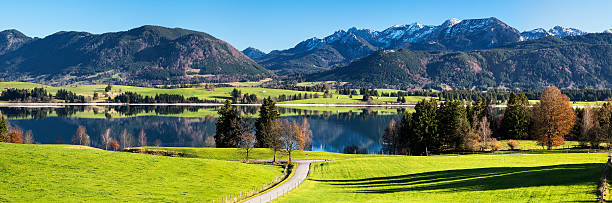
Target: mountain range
[343,47]
[582,61]
[470,53]
[147,54]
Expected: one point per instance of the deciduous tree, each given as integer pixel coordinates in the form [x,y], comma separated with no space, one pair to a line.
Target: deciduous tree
[553,118]
[80,136]
[16,136]
[305,136]
[247,143]
[105,139]
[142,138]
[115,145]
[273,137]
[290,131]
[4,130]
[390,138]
[126,139]
[28,137]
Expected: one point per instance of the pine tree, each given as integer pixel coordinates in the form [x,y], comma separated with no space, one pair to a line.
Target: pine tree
[264,125]
[516,121]
[452,124]
[228,126]
[425,137]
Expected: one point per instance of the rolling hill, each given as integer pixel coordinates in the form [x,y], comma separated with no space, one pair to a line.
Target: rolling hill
[144,55]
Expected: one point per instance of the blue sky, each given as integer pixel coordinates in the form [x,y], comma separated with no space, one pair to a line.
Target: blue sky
[270,25]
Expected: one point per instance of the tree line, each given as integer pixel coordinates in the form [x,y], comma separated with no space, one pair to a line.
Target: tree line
[503,95]
[455,125]
[268,131]
[38,94]
[134,98]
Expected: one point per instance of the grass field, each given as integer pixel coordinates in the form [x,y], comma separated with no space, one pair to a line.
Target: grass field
[58,173]
[223,93]
[488,178]
[258,154]
[220,93]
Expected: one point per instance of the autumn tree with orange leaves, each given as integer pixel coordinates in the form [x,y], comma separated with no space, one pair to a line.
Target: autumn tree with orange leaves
[553,118]
[304,136]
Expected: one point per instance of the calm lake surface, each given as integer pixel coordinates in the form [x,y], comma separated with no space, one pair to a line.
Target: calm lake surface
[335,129]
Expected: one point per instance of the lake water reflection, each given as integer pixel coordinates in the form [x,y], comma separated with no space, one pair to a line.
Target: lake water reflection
[335,129]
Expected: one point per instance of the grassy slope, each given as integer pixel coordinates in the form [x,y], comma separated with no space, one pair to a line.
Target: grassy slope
[258,154]
[495,178]
[32,173]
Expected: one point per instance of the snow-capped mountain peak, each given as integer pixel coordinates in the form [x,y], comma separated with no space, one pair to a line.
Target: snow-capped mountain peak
[535,34]
[556,31]
[559,31]
[451,22]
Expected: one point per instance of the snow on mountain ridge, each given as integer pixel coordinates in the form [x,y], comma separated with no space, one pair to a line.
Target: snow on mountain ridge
[397,35]
[556,31]
[559,31]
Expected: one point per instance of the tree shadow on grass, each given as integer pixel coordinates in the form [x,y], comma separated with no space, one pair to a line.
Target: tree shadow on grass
[479,179]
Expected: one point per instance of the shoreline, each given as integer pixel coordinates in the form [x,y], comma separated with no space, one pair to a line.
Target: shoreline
[193,104]
[42,105]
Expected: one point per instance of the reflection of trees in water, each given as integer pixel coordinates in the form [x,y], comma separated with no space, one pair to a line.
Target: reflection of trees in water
[130,110]
[171,131]
[354,149]
[23,113]
[332,131]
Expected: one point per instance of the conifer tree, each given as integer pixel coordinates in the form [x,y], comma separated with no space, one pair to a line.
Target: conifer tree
[228,126]
[453,125]
[516,121]
[265,131]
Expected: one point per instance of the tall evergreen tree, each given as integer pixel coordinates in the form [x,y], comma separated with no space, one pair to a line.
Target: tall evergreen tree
[229,126]
[264,125]
[405,135]
[453,125]
[424,137]
[516,121]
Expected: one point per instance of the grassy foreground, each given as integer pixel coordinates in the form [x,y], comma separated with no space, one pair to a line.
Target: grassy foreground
[258,154]
[57,173]
[491,178]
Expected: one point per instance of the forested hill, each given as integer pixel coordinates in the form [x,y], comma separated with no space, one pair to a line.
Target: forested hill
[571,62]
[147,54]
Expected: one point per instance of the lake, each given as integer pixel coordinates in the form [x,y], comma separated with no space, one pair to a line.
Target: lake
[335,129]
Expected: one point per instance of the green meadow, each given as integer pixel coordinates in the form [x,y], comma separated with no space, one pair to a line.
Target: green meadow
[220,93]
[57,173]
[483,178]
